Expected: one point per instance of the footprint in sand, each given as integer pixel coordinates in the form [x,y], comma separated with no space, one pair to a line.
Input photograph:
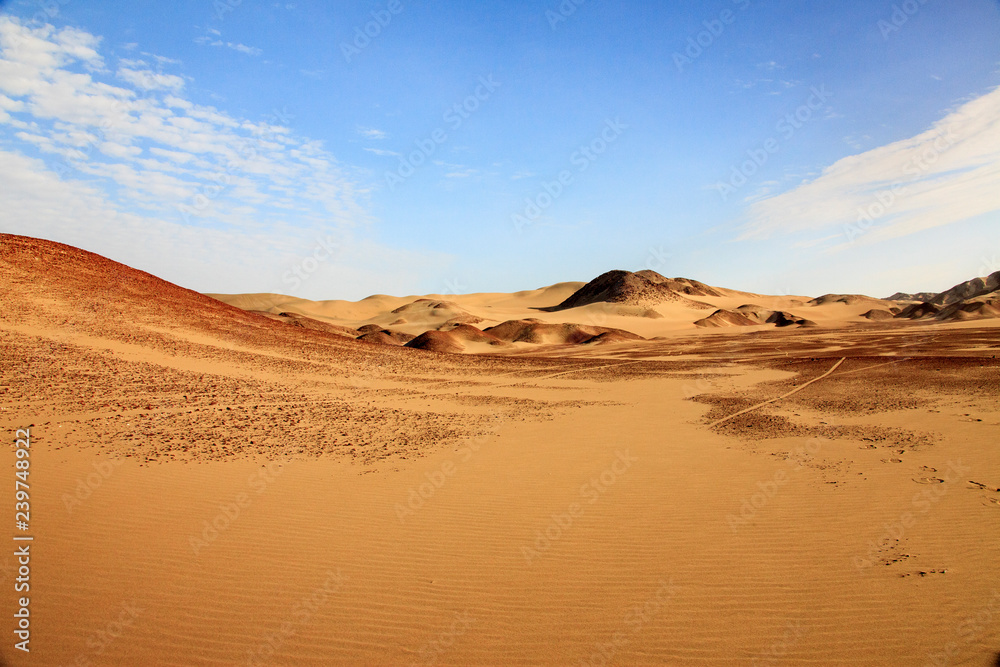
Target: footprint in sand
[927,469]
[928,480]
[983,486]
[995,501]
[892,460]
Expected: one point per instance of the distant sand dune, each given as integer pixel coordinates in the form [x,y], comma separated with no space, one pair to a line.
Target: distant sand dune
[847,300]
[456,340]
[297,320]
[753,315]
[386,337]
[968,290]
[541,333]
[645,288]
[878,314]
[727,318]
[644,304]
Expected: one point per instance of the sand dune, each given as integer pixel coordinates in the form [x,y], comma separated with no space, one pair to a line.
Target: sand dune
[296,320]
[618,300]
[645,288]
[461,338]
[918,296]
[535,298]
[644,304]
[641,305]
[985,306]
[211,486]
[917,311]
[538,332]
[437,341]
[386,337]
[361,312]
[968,290]
[727,318]
[753,315]
[974,299]
[848,300]
[612,337]
[879,314]
[430,309]
[337,311]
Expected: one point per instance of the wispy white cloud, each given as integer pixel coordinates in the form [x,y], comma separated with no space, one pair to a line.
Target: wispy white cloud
[776,86]
[942,176]
[382,152]
[163,60]
[235,46]
[146,79]
[243,48]
[456,171]
[176,156]
[372,133]
[810,243]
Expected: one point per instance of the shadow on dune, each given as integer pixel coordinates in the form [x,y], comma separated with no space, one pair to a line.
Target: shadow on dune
[996,662]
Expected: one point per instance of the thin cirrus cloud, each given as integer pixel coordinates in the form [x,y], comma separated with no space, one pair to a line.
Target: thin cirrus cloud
[242,48]
[140,76]
[214,39]
[381,152]
[945,175]
[372,133]
[95,152]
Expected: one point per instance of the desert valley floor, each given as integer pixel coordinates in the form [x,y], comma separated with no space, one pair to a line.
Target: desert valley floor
[211,486]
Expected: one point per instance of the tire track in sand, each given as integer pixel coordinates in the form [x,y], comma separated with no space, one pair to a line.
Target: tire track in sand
[775,400]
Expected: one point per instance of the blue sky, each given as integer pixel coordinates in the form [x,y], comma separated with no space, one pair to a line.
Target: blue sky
[253,146]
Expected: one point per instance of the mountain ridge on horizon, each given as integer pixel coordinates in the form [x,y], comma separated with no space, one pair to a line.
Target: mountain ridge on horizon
[616,307]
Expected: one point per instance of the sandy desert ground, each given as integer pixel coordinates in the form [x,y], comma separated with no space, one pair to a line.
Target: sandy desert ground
[211,486]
